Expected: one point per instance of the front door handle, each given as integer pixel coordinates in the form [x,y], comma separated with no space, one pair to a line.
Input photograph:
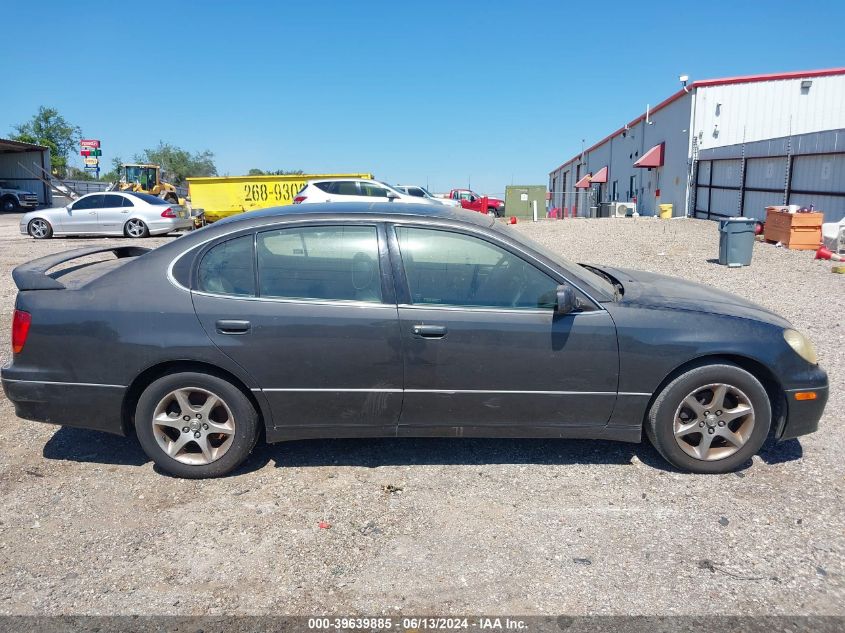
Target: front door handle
[225,326]
[429,331]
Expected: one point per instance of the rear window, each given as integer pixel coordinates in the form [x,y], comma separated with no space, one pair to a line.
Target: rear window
[146,197]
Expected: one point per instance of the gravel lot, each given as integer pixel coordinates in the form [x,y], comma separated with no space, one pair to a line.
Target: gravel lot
[87,526]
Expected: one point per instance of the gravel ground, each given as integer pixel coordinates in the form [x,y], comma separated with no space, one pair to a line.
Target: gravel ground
[87,526]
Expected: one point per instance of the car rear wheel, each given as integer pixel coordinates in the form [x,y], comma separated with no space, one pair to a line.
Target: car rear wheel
[196,425]
[39,229]
[711,419]
[135,228]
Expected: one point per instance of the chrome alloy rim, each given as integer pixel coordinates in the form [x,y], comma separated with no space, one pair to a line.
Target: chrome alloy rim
[38,228]
[135,228]
[193,426]
[714,422]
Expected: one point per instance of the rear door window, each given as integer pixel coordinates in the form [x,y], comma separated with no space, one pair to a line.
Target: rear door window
[326,262]
[112,200]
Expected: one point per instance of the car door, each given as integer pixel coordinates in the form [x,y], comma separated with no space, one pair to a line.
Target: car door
[374,192]
[485,352]
[309,312]
[340,190]
[114,213]
[82,216]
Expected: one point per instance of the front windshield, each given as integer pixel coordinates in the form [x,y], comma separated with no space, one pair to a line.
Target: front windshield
[579,272]
[132,174]
[427,193]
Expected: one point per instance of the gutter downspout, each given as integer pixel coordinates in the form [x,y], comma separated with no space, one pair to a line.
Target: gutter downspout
[691,132]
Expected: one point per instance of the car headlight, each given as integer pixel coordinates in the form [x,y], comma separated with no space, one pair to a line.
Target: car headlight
[802,346]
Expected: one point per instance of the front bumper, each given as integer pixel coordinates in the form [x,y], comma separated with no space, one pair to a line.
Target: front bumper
[802,416]
[86,406]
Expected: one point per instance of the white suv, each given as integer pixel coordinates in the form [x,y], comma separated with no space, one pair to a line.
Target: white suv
[353,190]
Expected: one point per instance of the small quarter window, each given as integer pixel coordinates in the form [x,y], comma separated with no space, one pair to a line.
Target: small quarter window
[228,268]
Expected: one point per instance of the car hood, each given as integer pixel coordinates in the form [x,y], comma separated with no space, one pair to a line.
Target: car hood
[670,293]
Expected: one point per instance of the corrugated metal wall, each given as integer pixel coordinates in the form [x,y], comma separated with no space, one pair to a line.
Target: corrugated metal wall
[12,172]
[807,169]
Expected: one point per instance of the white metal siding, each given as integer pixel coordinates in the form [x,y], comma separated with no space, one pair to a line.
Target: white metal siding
[731,114]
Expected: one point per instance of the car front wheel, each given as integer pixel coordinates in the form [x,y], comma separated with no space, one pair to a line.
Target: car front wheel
[9,204]
[196,425]
[39,229]
[711,419]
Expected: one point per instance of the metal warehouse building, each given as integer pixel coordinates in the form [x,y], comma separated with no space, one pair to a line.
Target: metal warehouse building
[721,148]
[21,164]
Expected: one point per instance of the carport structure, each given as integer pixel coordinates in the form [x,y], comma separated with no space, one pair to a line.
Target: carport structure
[21,163]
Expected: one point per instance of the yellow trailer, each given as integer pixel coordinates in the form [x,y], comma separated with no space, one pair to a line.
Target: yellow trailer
[223,196]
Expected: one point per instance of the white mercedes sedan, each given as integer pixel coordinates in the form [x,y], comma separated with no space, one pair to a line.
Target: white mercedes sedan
[112,213]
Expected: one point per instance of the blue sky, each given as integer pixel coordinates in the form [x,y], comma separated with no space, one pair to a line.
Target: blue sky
[415,92]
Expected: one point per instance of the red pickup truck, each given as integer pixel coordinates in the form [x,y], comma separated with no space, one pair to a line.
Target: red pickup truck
[471,200]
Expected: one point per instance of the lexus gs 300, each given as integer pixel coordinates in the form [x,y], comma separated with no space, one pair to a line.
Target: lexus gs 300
[365,320]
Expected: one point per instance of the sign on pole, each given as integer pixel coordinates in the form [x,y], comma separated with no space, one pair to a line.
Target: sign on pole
[89,142]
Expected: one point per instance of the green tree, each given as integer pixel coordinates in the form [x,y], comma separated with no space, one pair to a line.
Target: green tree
[114,174]
[178,164]
[49,128]
[279,172]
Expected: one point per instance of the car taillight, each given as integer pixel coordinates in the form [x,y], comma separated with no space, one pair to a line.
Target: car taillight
[20,330]
[168,213]
[299,199]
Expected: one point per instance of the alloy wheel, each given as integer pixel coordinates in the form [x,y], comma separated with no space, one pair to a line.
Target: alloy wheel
[193,426]
[135,228]
[39,228]
[714,421]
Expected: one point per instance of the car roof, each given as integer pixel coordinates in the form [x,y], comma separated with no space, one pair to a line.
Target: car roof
[387,210]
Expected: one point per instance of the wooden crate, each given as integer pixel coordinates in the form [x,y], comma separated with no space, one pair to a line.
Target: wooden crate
[799,231]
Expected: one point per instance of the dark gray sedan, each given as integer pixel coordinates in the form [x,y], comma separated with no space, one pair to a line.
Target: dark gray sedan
[381,320]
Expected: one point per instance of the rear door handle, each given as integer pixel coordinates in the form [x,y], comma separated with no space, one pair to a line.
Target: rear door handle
[225,326]
[429,331]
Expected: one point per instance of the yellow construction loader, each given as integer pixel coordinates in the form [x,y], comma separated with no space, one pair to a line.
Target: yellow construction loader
[146,178]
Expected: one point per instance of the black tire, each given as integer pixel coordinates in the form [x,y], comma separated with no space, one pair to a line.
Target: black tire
[491,211]
[660,425]
[246,424]
[40,229]
[171,198]
[144,232]
[9,204]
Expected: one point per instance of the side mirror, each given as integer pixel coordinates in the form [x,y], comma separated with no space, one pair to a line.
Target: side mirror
[391,196]
[567,301]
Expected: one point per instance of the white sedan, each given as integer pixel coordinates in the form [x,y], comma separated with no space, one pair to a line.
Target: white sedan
[113,213]
[422,192]
[353,190]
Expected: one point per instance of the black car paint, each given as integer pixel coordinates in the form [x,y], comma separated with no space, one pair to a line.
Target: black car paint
[91,350]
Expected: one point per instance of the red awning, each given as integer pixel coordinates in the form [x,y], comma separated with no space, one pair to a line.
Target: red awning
[584,183]
[652,158]
[600,176]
